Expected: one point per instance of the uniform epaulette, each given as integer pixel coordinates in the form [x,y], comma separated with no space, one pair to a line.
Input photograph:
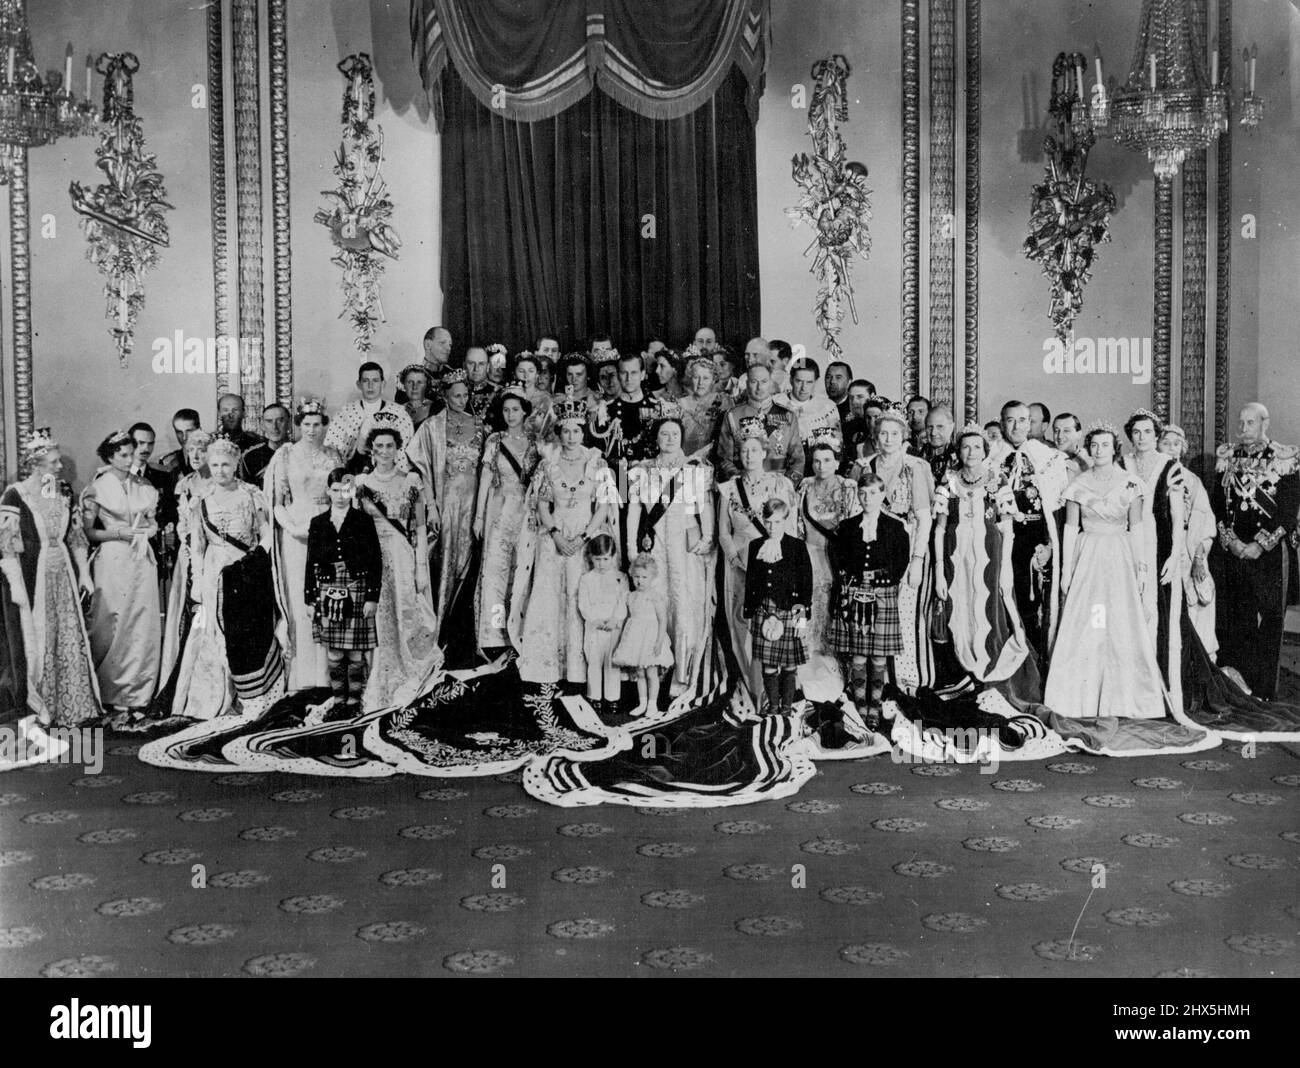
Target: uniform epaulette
[1287,458]
[1223,457]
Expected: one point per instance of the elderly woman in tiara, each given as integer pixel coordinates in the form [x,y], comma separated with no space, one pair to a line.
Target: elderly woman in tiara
[119,510]
[180,602]
[232,661]
[407,653]
[446,452]
[295,487]
[509,459]
[909,496]
[701,407]
[670,519]
[571,498]
[47,676]
[825,500]
[740,521]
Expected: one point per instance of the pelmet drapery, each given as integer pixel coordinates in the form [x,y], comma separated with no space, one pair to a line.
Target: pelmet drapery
[569,211]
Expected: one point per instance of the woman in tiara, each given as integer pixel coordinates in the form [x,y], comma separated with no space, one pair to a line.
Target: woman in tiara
[47,675]
[180,601]
[825,500]
[702,407]
[509,460]
[295,484]
[1104,670]
[418,387]
[740,521]
[446,452]
[119,510]
[407,655]
[670,519]
[572,498]
[909,496]
[232,661]
[527,374]
[1162,540]
[668,369]
[1200,532]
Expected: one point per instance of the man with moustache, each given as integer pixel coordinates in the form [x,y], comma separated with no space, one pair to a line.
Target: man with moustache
[1033,477]
[1256,496]
[785,436]
[275,423]
[706,341]
[481,390]
[838,376]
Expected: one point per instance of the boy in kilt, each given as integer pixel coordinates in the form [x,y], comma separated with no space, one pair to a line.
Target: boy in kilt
[778,591]
[344,569]
[868,554]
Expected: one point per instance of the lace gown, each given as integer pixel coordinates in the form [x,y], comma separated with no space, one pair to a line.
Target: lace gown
[60,678]
[405,660]
[1104,660]
[545,624]
[204,689]
[821,509]
[502,522]
[180,599]
[296,481]
[125,624]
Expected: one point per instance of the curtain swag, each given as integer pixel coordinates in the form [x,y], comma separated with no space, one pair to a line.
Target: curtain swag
[531,59]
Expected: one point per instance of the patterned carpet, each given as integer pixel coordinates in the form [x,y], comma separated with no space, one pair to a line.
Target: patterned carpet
[876,868]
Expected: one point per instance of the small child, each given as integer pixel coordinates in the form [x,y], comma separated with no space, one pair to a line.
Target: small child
[343,576]
[778,591]
[644,644]
[602,603]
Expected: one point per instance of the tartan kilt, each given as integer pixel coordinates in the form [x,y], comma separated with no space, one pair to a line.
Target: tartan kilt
[348,629]
[858,628]
[789,650]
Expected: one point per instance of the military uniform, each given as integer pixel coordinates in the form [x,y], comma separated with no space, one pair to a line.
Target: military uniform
[621,429]
[1256,495]
[1033,477]
[784,440]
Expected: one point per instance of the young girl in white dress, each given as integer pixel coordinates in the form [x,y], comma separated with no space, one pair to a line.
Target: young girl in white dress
[644,645]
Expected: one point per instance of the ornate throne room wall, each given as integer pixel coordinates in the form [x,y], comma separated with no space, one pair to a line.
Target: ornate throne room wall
[80,390]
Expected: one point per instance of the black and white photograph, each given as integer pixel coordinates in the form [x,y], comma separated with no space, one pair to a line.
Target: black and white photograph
[650,489]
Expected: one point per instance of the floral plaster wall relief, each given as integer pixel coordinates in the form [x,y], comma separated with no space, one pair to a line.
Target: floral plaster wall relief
[360,208]
[123,216]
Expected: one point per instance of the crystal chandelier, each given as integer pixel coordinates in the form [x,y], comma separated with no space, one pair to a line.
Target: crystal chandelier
[1168,106]
[34,110]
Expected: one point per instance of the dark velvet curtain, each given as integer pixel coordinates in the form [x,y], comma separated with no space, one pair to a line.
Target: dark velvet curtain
[599,220]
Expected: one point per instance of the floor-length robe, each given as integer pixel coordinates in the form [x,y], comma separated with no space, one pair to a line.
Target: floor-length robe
[47,632]
[450,474]
[125,622]
[821,509]
[404,662]
[502,522]
[205,688]
[683,575]
[739,524]
[295,480]
[545,625]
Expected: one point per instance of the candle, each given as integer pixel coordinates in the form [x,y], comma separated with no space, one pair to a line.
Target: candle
[1254,55]
[90,74]
[1097,52]
[67,69]
[1214,62]
[1153,70]
[1078,73]
[11,66]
